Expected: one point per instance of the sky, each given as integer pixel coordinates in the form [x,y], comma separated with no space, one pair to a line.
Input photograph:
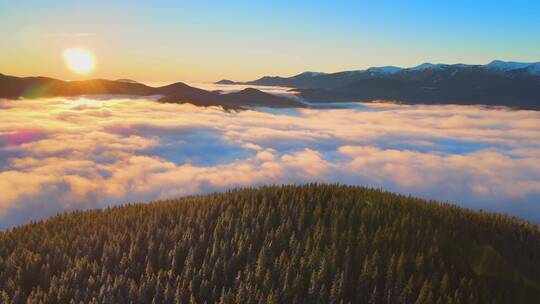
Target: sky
[165,41]
[61,154]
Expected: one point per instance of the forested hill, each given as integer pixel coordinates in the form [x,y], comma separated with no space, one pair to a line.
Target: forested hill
[289,244]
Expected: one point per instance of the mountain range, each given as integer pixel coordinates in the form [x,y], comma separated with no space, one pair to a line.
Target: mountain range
[34,87]
[499,83]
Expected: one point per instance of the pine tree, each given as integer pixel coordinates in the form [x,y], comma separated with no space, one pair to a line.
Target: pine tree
[426,295]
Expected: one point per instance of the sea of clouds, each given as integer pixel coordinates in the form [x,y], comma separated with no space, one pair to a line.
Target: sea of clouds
[63,154]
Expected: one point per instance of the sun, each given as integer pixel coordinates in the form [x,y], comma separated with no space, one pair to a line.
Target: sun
[79,60]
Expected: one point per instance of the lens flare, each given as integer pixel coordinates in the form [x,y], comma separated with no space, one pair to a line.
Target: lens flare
[80,61]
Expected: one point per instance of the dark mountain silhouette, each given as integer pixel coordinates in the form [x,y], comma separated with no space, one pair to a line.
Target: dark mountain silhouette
[179,91]
[127,80]
[225,81]
[499,83]
[289,244]
[32,87]
[246,97]
[256,97]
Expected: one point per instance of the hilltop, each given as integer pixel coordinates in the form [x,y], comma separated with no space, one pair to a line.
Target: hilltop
[288,244]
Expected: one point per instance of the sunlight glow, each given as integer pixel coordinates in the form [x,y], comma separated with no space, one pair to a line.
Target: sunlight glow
[80,61]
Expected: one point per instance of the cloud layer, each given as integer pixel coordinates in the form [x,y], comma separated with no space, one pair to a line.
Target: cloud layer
[65,154]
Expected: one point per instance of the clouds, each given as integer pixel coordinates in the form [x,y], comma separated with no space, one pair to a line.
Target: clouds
[64,154]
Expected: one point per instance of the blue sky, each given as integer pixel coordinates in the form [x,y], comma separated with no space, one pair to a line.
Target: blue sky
[241,40]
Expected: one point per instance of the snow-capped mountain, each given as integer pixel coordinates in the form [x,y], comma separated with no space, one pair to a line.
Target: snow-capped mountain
[505,66]
[328,80]
[515,84]
[425,66]
[309,74]
[494,66]
[384,70]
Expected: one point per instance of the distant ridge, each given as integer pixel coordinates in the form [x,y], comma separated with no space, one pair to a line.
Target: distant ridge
[498,83]
[127,80]
[496,66]
[225,81]
[34,87]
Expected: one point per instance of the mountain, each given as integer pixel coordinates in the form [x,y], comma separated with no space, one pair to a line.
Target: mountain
[32,87]
[317,80]
[246,98]
[384,70]
[256,97]
[29,87]
[225,81]
[498,83]
[127,80]
[288,244]
[505,66]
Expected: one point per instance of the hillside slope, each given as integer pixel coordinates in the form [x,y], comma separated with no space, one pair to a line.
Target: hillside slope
[289,244]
